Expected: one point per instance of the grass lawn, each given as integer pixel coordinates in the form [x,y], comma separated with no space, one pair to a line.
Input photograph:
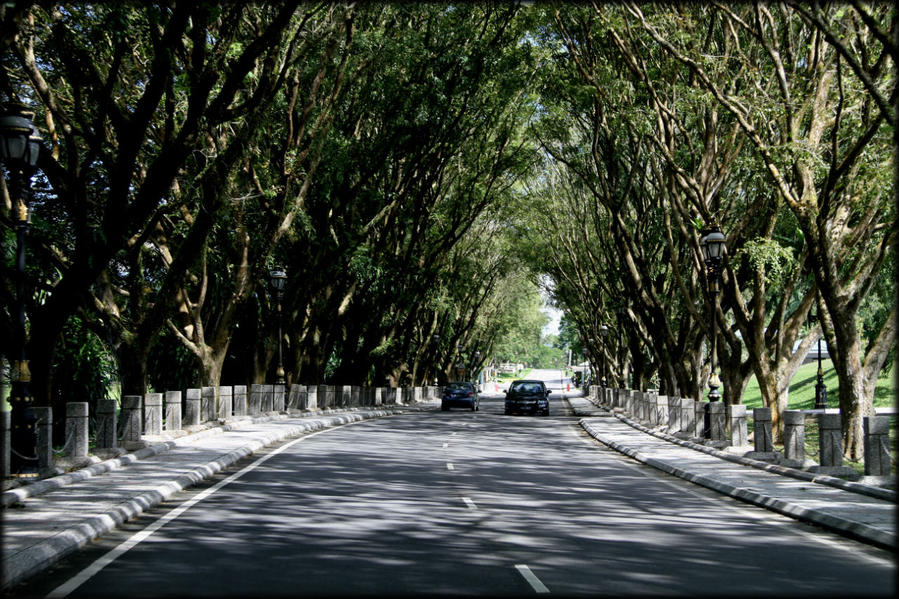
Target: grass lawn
[802,389]
[503,377]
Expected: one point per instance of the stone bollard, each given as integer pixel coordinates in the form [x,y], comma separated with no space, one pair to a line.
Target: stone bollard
[43,422]
[718,421]
[207,404]
[153,413]
[378,399]
[225,404]
[293,398]
[739,431]
[311,397]
[763,438]
[794,435]
[417,395]
[268,398]
[5,440]
[629,401]
[192,405]
[278,398]
[173,410]
[76,429]
[255,399]
[131,420]
[344,396]
[674,414]
[877,445]
[356,396]
[830,444]
[107,412]
[687,409]
[660,405]
[240,400]
[330,396]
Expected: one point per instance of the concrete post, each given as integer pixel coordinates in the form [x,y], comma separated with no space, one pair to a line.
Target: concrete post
[131,420]
[629,401]
[240,400]
[763,438]
[661,408]
[5,440]
[311,397]
[192,407]
[739,432]
[278,398]
[830,443]
[794,435]
[877,445]
[355,396]
[344,395]
[153,413]
[378,399]
[674,414]
[207,404]
[388,395]
[173,410]
[718,421]
[417,395]
[293,398]
[43,418]
[255,399]
[107,412]
[225,404]
[688,416]
[268,398]
[76,429]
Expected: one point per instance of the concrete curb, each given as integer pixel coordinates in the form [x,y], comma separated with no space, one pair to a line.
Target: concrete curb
[853,529]
[42,555]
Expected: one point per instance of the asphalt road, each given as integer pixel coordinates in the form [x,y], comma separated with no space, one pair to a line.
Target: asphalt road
[463,502]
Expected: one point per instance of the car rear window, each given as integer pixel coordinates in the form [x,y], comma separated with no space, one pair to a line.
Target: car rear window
[527,388]
[459,386]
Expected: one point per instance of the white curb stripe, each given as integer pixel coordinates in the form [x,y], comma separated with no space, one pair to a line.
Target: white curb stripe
[531,578]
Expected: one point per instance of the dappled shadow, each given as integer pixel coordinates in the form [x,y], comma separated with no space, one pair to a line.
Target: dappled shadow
[374,509]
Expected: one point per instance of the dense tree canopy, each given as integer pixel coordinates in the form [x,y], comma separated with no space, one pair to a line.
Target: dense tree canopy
[419,169]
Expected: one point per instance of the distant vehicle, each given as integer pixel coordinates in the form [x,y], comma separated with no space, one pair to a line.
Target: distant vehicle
[527,396]
[460,395]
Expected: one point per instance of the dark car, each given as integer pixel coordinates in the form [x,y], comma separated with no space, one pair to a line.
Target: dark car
[460,395]
[527,396]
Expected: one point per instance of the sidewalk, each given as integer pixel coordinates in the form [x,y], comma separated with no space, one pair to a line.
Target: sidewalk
[45,521]
[859,511]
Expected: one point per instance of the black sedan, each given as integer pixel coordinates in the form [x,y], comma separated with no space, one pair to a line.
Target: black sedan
[460,395]
[527,396]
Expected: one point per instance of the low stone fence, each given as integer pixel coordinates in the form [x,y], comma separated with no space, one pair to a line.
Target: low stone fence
[726,426]
[127,424]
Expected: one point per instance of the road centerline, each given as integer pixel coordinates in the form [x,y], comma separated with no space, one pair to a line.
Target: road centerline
[532,579]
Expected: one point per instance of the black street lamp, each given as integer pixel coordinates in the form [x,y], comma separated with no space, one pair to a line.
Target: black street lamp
[19,147]
[592,362]
[603,331]
[713,250]
[435,341]
[279,281]
[820,387]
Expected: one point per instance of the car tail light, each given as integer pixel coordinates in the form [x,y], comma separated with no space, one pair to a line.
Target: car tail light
[471,395]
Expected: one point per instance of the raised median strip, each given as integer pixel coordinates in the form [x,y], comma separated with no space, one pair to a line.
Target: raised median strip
[34,545]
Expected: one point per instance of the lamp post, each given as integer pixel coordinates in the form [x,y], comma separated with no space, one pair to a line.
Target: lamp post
[279,280]
[603,331]
[820,388]
[713,250]
[592,365]
[435,341]
[19,147]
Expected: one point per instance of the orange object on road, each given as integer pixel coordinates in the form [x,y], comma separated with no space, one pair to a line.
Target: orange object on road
[568,386]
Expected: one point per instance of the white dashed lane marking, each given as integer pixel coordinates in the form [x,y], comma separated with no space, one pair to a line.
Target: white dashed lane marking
[531,578]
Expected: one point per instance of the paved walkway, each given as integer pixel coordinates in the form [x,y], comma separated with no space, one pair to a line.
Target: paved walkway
[863,512]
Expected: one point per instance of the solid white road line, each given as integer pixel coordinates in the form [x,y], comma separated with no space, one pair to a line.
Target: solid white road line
[79,579]
[531,578]
[469,503]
